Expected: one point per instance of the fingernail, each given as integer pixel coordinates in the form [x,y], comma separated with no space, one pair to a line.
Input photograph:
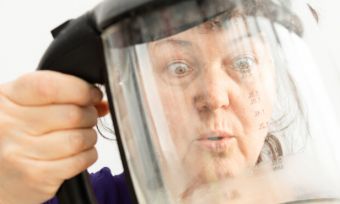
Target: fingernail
[96,94]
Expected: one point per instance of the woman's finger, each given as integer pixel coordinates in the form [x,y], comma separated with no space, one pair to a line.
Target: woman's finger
[69,167]
[60,144]
[49,87]
[44,174]
[45,119]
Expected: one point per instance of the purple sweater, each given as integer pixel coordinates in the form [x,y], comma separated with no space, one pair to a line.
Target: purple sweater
[109,189]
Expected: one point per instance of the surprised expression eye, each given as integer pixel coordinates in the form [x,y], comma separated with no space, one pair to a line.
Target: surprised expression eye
[244,64]
[179,69]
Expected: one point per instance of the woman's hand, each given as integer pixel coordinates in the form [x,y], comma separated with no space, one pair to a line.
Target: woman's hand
[46,134]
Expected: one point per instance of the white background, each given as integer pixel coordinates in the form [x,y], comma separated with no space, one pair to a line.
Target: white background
[24,36]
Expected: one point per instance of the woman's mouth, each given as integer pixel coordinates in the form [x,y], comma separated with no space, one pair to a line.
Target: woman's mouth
[216,138]
[216,141]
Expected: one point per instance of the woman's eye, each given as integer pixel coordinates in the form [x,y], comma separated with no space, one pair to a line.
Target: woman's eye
[244,64]
[179,69]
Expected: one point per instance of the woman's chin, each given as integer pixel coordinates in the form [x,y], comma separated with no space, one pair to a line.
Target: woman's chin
[211,172]
[210,167]
[221,169]
[206,184]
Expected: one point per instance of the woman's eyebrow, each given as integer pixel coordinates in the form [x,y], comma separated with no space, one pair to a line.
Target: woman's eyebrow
[176,42]
[243,37]
[247,36]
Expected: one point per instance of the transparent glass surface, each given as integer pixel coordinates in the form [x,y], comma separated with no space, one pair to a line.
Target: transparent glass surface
[237,107]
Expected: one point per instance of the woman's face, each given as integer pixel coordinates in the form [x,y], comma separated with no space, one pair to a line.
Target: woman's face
[217,89]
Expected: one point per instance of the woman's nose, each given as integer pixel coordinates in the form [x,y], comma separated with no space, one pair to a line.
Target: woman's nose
[214,92]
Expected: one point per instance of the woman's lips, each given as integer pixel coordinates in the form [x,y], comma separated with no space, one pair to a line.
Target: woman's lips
[216,141]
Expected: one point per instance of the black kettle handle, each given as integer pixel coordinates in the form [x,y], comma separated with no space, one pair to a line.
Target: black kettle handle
[77,50]
[77,190]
